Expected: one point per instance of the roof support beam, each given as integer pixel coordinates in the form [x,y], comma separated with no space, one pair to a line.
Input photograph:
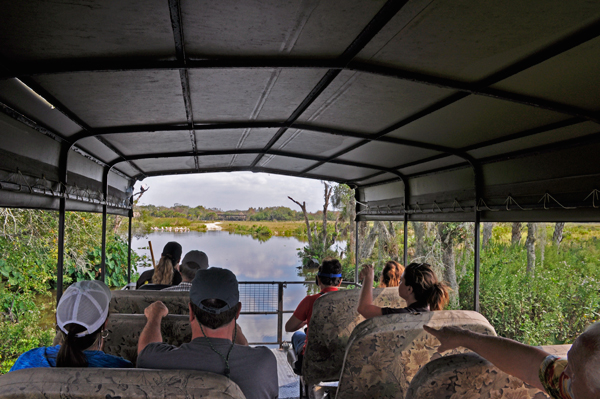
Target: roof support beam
[383,16]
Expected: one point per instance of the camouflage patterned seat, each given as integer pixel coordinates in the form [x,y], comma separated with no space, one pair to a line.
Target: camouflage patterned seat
[468,375]
[124,332]
[134,302]
[333,319]
[100,383]
[384,353]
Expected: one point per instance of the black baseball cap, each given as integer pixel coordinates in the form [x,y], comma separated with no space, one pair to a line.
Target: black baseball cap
[215,283]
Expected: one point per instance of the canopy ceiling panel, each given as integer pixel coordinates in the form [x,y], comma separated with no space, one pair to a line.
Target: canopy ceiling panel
[571,78]
[104,99]
[249,94]
[153,165]
[15,93]
[475,119]
[49,30]
[285,163]
[433,165]
[343,172]
[387,155]
[229,139]
[274,27]
[474,39]
[151,142]
[315,143]
[470,104]
[369,103]
[92,146]
[552,136]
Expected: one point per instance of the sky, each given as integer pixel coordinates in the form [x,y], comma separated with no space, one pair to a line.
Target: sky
[232,190]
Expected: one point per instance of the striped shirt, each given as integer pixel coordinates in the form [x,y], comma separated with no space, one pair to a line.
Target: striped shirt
[183,286]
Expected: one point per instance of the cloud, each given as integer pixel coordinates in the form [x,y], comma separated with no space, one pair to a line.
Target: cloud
[228,191]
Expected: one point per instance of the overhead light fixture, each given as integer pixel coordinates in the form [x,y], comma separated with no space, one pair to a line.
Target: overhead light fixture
[42,99]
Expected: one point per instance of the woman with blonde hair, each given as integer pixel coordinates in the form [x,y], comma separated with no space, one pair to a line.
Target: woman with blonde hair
[390,276]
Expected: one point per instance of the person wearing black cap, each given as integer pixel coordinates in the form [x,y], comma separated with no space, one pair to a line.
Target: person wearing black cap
[165,273]
[214,308]
[329,278]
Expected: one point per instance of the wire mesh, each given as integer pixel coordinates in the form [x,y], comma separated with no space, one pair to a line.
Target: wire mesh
[258,298]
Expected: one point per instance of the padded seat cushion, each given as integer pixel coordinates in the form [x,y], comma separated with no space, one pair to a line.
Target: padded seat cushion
[136,301]
[468,375]
[384,353]
[333,320]
[99,383]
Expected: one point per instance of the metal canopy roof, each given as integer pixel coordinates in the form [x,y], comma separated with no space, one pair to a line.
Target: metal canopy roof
[433,109]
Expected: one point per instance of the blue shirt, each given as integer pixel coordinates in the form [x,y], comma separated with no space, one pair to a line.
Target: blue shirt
[46,357]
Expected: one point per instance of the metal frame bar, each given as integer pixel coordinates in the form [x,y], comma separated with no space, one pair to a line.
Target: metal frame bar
[129,242]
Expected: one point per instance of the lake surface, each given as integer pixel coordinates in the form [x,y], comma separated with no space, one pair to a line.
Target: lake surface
[251,260]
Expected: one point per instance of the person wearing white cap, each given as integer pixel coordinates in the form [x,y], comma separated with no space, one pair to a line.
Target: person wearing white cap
[81,317]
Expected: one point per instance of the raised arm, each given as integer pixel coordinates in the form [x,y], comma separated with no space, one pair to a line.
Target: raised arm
[512,357]
[240,338]
[365,302]
[294,324]
[151,332]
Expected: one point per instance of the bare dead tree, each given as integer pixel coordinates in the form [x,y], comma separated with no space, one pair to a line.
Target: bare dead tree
[558,233]
[327,197]
[530,245]
[303,207]
[446,234]
[515,237]
[487,234]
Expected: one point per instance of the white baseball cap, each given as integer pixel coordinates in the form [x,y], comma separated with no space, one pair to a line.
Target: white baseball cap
[84,303]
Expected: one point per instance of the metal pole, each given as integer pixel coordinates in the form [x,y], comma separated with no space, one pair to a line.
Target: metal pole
[103,261]
[405,238]
[280,314]
[476,268]
[61,249]
[129,247]
[356,251]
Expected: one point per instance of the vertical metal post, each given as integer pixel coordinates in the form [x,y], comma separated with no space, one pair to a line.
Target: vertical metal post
[280,314]
[103,261]
[356,252]
[405,257]
[61,249]
[477,245]
[129,245]
[104,214]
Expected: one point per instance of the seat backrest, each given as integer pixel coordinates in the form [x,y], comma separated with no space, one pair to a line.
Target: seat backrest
[384,353]
[134,302]
[333,319]
[101,383]
[124,333]
[467,375]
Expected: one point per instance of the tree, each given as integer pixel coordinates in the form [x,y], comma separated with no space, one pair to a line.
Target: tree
[530,245]
[487,234]
[515,237]
[419,228]
[558,233]
[303,207]
[448,233]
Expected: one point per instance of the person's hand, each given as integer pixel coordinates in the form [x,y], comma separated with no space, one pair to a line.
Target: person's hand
[156,310]
[449,337]
[366,271]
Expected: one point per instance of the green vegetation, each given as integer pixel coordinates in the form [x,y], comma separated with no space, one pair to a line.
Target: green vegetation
[28,258]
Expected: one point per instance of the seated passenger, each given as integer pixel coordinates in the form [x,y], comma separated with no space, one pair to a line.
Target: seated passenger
[419,287]
[214,309]
[81,316]
[191,263]
[390,275]
[577,378]
[165,273]
[329,278]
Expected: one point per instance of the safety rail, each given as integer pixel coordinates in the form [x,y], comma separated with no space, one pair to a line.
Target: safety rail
[266,297]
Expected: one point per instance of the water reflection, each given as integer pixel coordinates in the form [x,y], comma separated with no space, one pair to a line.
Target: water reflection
[251,260]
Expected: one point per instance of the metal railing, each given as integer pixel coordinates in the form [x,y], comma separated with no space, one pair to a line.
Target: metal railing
[266,298]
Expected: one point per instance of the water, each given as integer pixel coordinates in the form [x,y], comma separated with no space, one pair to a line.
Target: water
[251,260]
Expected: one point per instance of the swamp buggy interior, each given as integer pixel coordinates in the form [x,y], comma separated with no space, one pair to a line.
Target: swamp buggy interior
[432,110]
